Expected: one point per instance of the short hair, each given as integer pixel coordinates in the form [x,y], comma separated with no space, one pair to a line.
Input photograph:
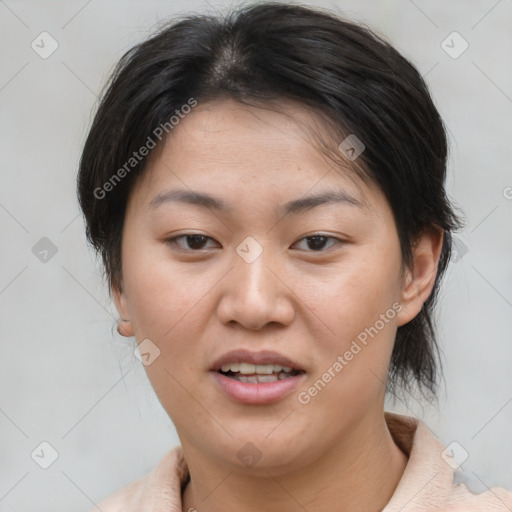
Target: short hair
[265,53]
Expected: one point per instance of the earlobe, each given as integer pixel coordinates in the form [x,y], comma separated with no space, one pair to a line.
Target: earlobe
[419,280]
[124,327]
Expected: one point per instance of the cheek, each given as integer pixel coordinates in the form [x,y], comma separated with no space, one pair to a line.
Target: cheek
[355,295]
[359,307]
[167,306]
[170,304]
[162,294]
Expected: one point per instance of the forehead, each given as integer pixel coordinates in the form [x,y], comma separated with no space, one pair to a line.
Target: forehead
[236,149]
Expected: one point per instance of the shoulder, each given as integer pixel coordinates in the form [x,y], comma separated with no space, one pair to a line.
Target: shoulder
[127,496]
[468,495]
[432,480]
[160,489]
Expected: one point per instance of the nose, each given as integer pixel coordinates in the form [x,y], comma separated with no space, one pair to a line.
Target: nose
[255,293]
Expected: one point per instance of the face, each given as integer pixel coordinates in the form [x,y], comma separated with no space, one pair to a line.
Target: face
[315,286]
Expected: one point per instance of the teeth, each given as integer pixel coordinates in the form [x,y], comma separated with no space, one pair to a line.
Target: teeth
[246,368]
[251,369]
[265,378]
[254,379]
[234,367]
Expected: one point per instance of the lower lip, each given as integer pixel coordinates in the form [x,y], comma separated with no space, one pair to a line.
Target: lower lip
[259,393]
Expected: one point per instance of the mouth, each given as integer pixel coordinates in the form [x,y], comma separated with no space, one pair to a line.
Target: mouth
[257,377]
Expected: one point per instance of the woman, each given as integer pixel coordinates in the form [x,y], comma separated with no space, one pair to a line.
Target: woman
[266,190]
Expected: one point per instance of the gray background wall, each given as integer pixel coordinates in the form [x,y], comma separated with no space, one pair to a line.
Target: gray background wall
[67,378]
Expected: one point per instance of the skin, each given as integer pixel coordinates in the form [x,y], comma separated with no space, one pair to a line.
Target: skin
[336,452]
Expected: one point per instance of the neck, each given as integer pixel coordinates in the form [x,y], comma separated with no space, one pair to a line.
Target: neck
[359,473]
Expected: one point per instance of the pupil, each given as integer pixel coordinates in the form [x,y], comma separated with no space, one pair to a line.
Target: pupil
[316,239]
[197,241]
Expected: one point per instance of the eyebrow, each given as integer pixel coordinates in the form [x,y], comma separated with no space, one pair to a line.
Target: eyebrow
[291,207]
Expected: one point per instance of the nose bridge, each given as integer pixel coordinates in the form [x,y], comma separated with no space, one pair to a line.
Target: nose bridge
[254,295]
[251,264]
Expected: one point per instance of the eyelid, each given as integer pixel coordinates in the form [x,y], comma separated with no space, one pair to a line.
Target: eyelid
[337,240]
[173,241]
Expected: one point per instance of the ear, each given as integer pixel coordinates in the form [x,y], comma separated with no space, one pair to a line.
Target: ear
[125,327]
[419,280]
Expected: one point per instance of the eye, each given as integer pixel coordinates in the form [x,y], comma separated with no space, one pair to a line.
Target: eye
[317,242]
[194,242]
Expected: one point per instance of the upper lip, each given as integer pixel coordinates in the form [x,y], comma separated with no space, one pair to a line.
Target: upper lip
[262,357]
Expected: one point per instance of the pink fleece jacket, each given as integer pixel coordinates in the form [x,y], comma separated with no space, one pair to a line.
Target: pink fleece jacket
[428,483]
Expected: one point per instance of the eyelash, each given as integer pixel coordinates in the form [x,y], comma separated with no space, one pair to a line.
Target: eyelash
[173,241]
